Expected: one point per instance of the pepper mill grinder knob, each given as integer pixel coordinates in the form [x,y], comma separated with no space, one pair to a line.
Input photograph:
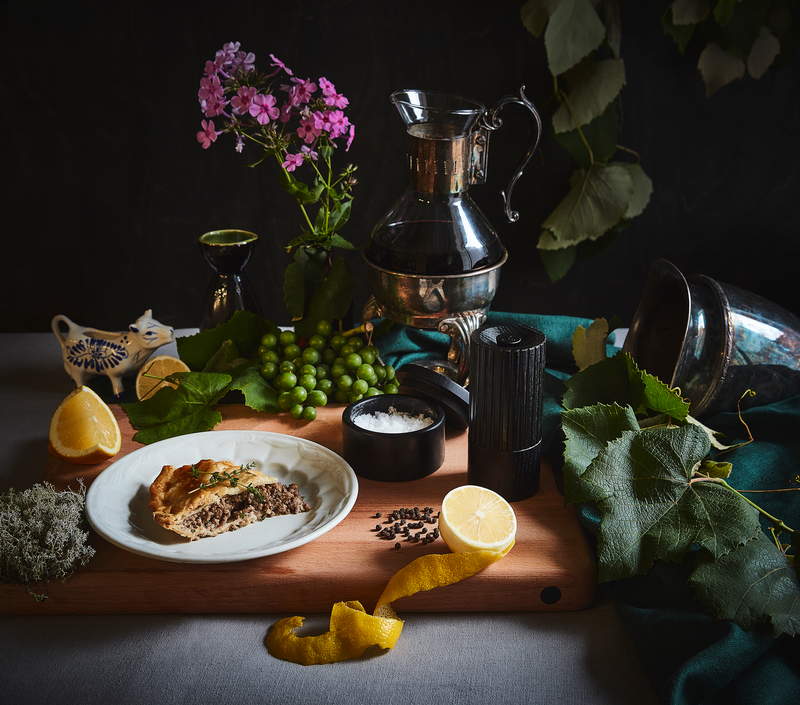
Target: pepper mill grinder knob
[505,432]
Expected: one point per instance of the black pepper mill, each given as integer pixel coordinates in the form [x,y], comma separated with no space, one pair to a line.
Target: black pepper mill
[506,364]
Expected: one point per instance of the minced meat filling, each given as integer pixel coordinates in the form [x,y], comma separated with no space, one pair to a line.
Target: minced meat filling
[247,507]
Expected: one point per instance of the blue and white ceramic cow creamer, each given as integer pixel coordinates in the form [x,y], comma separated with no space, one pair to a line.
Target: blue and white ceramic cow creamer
[88,352]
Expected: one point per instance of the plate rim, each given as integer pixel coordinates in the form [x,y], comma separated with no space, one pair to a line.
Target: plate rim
[350,498]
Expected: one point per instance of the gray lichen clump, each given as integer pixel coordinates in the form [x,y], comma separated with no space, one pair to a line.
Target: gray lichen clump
[42,535]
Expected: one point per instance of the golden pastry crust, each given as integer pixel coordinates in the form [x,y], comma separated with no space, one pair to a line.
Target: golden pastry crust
[212,497]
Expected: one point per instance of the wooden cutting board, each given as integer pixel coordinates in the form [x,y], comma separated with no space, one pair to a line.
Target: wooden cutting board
[551,567]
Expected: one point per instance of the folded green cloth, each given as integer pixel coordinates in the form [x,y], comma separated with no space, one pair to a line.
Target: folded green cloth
[689,657]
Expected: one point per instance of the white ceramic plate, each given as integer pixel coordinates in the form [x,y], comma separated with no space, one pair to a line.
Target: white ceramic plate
[117,501]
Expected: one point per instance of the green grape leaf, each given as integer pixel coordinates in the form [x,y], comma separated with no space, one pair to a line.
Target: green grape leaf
[753,584]
[598,198]
[227,358]
[642,189]
[763,54]
[588,431]
[723,11]
[591,96]
[619,380]
[680,33]
[689,11]
[258,394]
[244,331]
[341,243]
[589,346]
[714,468]
[558,262]
[535,14]
[612,20]
[174,412]
[331,299]
[573,31]
[712,435]
[653,510]
[601,134]
[718,68]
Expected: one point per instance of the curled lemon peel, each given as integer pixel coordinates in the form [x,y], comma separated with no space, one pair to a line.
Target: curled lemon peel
[352,631]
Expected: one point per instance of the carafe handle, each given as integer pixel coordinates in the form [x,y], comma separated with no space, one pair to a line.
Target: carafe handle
[490,122]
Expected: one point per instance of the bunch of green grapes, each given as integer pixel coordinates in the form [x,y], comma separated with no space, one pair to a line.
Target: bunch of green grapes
[327,367]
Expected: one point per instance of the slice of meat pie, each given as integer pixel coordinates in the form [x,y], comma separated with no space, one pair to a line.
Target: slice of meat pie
[211,497]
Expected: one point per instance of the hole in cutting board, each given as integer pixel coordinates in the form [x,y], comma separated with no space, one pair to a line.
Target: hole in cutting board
[550,595]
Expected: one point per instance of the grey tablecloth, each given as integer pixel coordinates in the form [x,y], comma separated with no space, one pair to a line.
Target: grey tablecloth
[574,657]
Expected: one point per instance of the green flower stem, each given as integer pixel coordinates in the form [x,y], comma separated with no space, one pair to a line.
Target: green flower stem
[778,523]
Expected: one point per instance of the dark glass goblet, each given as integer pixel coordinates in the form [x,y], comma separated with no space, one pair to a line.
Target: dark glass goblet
[227,251]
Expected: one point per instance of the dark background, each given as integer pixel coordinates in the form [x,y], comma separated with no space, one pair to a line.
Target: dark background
[106,190]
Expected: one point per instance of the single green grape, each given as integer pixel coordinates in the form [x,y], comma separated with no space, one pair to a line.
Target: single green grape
[337,342]
[322,371]
[354,396]
[337,370]
[317,342]
[345,382]
[352,361]
[269,340]
[269,370]
[324,328]
[308,370]
[364,371]
[369,356]
[296,411]
[288,366]
[380,372]
[309,413]
[360,386]
[287,337]
[328,356]
[299,394]
[316,397]
[285,401]
[311,356]
[271,356]
[291,351]
[372,392]
[341,396]
[286,381]
[307,382]
[389,373]
[357,342]
[325,385]
[390,388]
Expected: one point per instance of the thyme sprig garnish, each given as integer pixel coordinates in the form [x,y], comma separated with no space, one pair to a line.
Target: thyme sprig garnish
[232,478]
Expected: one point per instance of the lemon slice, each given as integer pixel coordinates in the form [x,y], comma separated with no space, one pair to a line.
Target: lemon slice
[476,519]
[159,367]
[83,430]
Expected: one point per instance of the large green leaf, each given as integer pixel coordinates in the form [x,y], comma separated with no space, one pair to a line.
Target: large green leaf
[599,197]
[243,332]
[174,412]
[763,54]
[535,14]
[753,584]
[330,300]
[573,31]
[601,134]
[719,67]
[688,12]
[589,345]
[588,431]
[642,189]
[653,509]
[258,394]
[591,96]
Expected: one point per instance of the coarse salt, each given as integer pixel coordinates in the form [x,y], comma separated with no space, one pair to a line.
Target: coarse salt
[392,422]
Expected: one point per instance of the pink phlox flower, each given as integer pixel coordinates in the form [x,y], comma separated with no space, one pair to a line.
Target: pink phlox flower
[308,130]
[306,150]
[212,67]
[338,123]
[281,66]
[350,138]
[327,87]
[243,99]
[208,134]
[213,106]
[303,91]
[286,112]
[292,161]
[243,61]
[322,121]
[210,86]
[263,108]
